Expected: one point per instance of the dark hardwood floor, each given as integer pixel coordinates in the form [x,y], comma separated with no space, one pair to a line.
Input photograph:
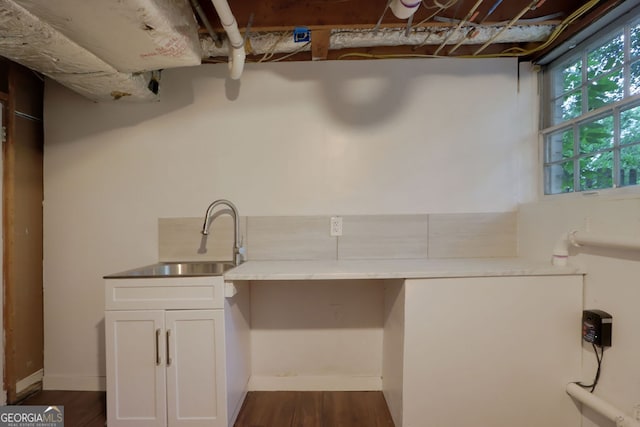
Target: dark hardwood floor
[314,409]
[81,408]
[260,409]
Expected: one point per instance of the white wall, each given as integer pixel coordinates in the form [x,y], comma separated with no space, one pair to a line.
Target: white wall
[359,137]
[611,283]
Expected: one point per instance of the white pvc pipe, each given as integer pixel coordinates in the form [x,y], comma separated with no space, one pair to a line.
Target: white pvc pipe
[601,406]
[560,253]
[236,42]
[403,9]
[580,238]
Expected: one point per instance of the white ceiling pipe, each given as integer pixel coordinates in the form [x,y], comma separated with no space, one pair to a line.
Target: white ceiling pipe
[402,9]
[601,406]
[236,42]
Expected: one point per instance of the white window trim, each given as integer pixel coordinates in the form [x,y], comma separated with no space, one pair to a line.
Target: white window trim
[570,56]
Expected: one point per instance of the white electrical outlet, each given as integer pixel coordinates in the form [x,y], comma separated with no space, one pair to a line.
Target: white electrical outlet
[335,228]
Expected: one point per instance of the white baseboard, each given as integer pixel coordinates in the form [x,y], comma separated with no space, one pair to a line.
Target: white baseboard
[314,383]
[27,382]
[69,382]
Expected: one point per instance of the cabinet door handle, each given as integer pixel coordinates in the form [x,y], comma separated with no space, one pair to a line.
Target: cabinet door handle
[168,354]
[158,360]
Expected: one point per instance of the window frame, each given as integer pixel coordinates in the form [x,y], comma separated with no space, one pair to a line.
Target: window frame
[548,104]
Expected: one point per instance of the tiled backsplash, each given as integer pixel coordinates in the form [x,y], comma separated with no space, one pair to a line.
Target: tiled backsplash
[290,237]
[384,236]
[470,235]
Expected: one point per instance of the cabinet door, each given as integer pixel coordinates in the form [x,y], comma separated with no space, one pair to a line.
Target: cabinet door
[136,375]
[195,368]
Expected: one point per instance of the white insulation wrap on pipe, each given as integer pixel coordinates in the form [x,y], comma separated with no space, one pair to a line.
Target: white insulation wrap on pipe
[35,44]
[27,40]
[236,42]
[132,36]
[110,86]
[601,406]
[261,43]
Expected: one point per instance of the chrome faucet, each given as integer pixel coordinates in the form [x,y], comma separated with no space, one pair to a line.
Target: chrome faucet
[237,259]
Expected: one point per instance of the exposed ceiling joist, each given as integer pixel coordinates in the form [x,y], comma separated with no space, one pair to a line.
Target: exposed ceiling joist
[112,49]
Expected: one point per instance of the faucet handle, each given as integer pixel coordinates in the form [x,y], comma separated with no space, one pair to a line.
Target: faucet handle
[242,251]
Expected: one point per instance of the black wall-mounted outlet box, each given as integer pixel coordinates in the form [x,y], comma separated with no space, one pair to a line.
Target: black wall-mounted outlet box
[596,327]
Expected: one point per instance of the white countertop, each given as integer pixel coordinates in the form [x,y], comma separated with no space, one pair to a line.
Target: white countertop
[394,269]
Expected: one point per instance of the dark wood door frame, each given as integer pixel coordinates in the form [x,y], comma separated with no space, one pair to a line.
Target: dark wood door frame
[22,233]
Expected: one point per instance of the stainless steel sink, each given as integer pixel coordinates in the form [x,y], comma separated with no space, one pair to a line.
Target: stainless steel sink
[176,269]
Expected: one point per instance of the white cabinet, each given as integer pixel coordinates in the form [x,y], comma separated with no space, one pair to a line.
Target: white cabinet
[453,347]
[166,353]
[136,375]
[195,356]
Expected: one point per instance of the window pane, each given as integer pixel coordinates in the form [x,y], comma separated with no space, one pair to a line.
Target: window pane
[559,178]
[570,77]
[567,107]
[629,165]
[559,146]
[634,84]
[635,40]
[630,126]
[605,58]
[596,135]
[606,90]
[596,171]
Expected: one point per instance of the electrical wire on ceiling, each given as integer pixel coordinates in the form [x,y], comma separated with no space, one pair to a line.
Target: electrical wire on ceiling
[516,51]
[282,42]
[468,17]
[511,52]
[509,25]
[300,49]
[269,53]
[440,7]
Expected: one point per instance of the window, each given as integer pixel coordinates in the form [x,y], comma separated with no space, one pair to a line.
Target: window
[592,114]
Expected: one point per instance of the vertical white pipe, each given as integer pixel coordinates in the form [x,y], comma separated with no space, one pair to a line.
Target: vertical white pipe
[236,43]
[601,406]
[561,251]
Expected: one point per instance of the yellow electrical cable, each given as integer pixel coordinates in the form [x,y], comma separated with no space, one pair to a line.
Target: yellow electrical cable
[271,51]
[554,35]
[506,53]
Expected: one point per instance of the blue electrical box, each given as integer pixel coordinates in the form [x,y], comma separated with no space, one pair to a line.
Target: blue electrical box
[301,34]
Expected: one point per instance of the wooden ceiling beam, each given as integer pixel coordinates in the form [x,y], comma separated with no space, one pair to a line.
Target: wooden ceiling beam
[273,14]
[320,44]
